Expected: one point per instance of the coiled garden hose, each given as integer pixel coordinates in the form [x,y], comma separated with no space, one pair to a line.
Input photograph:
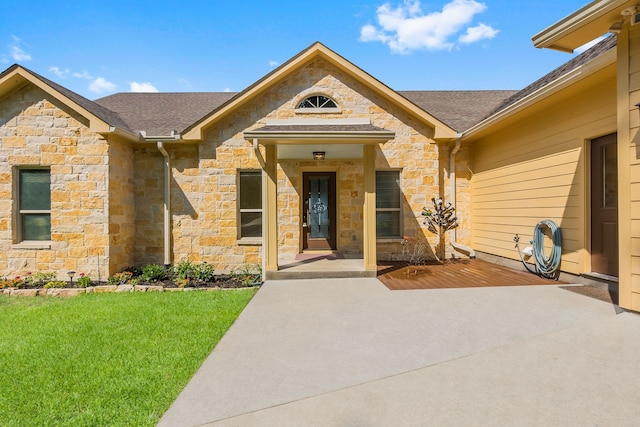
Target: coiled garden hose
[547,267]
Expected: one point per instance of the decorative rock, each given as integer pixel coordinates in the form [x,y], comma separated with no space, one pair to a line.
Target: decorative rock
[52,292]
[155,289]
[140,288]
[71,292]
[106,288]
[124,288]
[25,292]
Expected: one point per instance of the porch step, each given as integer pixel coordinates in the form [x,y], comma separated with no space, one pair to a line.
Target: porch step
[297,275]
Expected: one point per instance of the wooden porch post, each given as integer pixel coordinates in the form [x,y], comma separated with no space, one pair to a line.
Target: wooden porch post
[271,209]
[369,211]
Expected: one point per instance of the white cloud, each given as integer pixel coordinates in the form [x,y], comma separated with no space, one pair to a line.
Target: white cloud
[142,87]
[101,85]
[83,75]
[407,28]
[227,89]
[273,63]
[17,53]
[59,72]
[477,33]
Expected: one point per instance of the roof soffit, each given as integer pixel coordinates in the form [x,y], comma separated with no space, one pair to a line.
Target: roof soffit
[582,26]
[317,50]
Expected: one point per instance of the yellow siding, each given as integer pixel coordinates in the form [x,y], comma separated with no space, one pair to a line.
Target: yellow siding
[630,249]
[536,168]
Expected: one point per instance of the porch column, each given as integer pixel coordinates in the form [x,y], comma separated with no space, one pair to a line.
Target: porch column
[270,206]
[369,211]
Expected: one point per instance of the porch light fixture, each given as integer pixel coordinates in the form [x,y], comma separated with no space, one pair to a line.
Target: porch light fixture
[318,155]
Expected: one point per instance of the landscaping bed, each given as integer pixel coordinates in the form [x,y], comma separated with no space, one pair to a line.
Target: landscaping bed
[152,277]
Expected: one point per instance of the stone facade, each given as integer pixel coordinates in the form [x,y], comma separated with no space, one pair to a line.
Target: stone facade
[108,194]
[204,194]
[37,130]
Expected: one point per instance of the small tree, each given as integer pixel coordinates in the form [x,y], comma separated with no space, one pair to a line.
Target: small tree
[439,220]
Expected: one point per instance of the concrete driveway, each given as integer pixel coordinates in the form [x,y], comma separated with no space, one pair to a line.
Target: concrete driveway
[350,352]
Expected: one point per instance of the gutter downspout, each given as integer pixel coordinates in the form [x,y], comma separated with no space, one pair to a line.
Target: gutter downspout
[452,196]
[167,204]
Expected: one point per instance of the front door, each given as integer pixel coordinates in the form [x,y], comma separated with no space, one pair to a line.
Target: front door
[319,210]
[604,205]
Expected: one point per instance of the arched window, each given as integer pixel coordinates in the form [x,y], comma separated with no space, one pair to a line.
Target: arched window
[318,104]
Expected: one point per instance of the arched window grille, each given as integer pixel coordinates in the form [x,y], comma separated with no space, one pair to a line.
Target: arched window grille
[317,102]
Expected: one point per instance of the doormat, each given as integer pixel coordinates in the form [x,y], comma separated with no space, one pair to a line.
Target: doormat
[317,257]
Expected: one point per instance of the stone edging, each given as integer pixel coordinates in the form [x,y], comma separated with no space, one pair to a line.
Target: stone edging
[70,292]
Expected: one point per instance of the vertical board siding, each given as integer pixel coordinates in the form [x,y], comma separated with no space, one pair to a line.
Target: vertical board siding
[536,169]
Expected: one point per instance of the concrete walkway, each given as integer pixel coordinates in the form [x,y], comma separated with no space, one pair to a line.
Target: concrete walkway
[350,352]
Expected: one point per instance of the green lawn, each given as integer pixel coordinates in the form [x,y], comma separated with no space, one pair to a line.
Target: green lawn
[105,359]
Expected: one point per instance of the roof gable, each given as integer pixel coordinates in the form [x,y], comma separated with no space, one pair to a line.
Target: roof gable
[100,118]
[317,50]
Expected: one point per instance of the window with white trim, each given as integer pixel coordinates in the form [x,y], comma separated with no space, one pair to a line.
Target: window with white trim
[34,204]
[388,204]
[250,204]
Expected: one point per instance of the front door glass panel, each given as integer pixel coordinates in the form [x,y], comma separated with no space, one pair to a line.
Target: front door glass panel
[610,175]
[319,220]
[319,211]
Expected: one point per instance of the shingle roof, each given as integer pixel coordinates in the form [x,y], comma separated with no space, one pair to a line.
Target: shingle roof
[585,57]
[459,109]
[158,114]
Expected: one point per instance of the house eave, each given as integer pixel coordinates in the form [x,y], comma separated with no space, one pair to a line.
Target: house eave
[582,26]
[274,138]
[575,75]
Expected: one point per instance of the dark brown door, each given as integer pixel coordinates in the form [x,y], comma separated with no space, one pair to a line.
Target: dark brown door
[604,205]
[319,210]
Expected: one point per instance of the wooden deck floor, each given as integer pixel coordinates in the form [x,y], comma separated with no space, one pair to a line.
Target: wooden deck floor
[462,273]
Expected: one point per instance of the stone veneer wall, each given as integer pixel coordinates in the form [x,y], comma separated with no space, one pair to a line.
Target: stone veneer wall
[204,191]
[121,228]
[148,193]
[36,130]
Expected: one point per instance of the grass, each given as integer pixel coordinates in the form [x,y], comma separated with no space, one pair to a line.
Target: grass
[106,359]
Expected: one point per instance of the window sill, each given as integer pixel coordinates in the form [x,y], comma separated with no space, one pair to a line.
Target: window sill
[250,241]
[32,245]
[389,240]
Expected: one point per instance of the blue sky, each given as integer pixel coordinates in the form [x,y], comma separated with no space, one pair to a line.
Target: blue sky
[96,48]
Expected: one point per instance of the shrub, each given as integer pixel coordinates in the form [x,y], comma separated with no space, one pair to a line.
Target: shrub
[39,279]
[153,273]
[204,272]
[120,278]
[55,284]
[248,274]
[84,281]
[11,283]
[185,269]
